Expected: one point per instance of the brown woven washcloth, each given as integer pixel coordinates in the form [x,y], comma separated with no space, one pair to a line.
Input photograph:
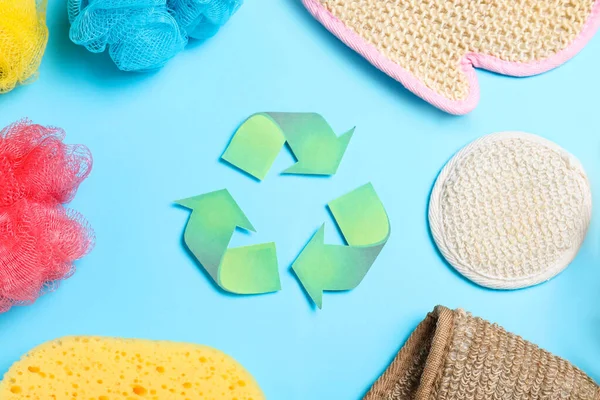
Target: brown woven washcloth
[452,355]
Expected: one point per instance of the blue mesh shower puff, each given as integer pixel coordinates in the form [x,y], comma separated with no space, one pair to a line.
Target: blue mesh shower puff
[143,35]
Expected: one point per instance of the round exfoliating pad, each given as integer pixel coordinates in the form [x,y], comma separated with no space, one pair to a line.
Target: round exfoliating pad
[510,210]
[112,368]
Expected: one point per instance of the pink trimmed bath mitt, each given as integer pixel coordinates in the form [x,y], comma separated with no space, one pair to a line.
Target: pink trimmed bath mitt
[432,46]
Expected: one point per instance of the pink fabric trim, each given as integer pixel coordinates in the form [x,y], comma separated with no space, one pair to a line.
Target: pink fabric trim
[469,62]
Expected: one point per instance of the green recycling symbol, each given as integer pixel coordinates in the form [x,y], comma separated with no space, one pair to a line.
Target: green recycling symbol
[360,215]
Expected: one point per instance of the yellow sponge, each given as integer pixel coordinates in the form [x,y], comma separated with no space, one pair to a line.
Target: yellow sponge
[95,368]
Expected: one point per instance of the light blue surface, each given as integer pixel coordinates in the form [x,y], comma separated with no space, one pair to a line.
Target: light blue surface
[158,137]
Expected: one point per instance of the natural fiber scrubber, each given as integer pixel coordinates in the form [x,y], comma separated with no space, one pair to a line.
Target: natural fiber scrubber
[452,355]
[510,210]
[431,46]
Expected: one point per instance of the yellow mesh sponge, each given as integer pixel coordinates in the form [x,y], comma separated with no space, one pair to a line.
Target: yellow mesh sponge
[23,38]
[86,368]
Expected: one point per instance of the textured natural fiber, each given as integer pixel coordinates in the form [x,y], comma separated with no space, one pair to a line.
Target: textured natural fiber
[431,45]
[23,38]
[429,37]
[452,355]
[510,210]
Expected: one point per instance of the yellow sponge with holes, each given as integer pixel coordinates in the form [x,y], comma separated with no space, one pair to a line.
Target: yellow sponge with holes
[96,368]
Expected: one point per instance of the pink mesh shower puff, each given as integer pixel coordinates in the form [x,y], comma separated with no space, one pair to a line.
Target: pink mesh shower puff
[39,237]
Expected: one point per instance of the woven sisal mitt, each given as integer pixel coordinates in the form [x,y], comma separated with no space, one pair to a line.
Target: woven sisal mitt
[432,46]
[452,355]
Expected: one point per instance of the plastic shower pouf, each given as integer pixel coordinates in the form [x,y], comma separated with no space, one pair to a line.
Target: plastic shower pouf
[143,35]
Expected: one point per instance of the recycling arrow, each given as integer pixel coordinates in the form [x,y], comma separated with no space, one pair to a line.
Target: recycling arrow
[258,141]
[242,270]
[364,223]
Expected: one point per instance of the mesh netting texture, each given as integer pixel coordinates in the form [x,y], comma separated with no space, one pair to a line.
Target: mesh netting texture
[40,237]
[143,35]
[23,38]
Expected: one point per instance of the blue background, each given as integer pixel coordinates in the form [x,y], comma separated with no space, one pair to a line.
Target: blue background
[158,137]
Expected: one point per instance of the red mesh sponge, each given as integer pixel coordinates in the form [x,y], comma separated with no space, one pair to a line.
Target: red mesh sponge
[39,237]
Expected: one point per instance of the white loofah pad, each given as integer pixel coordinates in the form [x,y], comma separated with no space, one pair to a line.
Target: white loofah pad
[510,210]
